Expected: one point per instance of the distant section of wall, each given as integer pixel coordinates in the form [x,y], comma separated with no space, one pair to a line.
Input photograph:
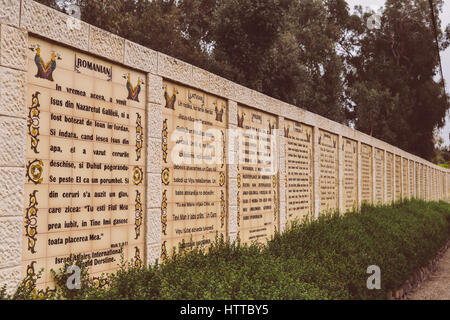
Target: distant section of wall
[320,165]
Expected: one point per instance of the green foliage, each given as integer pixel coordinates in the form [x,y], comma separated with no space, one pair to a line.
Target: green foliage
[317,259]
[392,90]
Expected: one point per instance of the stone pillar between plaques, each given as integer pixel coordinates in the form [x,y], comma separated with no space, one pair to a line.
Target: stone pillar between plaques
[281,174]
[316,190]
[154,167]
[385,178]
[401,178]
[358,165]
[13,131]
[394,175]
[374,174]
[232,170]
[340,175]
[408,184]
[414,192]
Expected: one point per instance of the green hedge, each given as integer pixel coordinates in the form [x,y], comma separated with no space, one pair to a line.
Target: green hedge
[322,259]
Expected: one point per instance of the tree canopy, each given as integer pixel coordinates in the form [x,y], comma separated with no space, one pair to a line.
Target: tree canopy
[316,54]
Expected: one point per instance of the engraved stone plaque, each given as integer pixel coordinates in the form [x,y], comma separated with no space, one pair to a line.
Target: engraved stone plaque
[398,178]
[194,191]
[366,174]
[257,195]
[350,174]
[389,177]
[85,184]
[328,171]
[299,170]
[379,176]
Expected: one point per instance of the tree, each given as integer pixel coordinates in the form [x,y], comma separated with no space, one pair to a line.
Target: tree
[393,94]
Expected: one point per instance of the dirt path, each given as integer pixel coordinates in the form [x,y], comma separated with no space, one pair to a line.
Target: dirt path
[437,287]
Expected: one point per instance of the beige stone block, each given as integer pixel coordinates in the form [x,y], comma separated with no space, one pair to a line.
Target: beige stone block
[13,47]
[106,44]
[12,198]
[10,241]
[232,237]
[220,86]
[274,106]
[10,277]
[154,226]
[13,93]
[12,142]
[242,94]
[201,79]
[232,169]
[10,12]
[154,155]
[153,254]
[290,112]
[282,189]
[155,121]
[154,89]
[282,216]
[232,112]
[54,25]
[154,190]
[174,69]
[259,101]
[232,219]
[232,192]
[140,57]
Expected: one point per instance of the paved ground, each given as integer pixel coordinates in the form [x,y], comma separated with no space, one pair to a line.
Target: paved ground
[437,287]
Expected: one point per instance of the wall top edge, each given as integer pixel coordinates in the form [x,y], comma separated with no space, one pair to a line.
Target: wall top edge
[53,25]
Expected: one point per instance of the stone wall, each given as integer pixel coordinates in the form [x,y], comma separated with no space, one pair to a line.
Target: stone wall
[341,167]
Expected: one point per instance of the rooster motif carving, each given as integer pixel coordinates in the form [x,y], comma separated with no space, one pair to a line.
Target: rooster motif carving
[170,101]
[219,113]
[45,70]
[241,120]
[133,91]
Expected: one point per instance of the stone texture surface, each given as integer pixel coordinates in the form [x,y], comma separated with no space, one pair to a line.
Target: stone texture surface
[174,69]
[13,47]
[10,277]
[13,93]
[232,219]
[232,112]
[54,25]
[10,242]
[201,79]
[282,216]
[154,190]
[232,237]
[10,12]
[12,199]
[140,57]
[154,89]
[232,192]
[154,159]
[153,253]
[12,142]
[155,121]
[106,44]
[154,226]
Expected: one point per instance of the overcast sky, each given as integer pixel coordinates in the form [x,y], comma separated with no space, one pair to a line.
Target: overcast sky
[445,56]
